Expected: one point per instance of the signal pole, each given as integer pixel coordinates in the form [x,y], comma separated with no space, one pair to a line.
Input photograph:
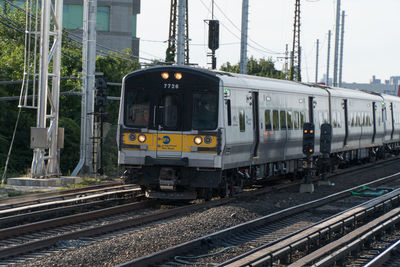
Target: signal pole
[243,43]
[336,59]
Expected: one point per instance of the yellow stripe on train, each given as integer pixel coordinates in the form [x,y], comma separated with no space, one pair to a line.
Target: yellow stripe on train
[169,142]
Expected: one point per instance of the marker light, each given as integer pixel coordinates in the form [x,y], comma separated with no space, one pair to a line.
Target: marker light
[197,140]
[165,75]
[132,137]
[142,138]
[310,150]
[207,140]
[311,131]
[305,131]
[178,75]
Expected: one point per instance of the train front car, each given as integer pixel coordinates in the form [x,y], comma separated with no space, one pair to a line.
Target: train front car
[170,133]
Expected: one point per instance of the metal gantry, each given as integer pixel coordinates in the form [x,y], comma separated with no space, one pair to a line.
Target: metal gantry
[295,64]
[173,31]
[45,139]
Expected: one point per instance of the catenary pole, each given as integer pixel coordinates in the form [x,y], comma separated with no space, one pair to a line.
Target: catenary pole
[243,42]
[341,50]
[181,33]
[336,56]
[316,62]
[328,58]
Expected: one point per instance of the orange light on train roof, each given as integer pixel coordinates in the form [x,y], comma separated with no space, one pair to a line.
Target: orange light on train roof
[165,75]
[178,75]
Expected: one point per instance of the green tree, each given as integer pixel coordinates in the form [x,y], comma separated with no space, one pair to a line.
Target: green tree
[12,47]
[262,67]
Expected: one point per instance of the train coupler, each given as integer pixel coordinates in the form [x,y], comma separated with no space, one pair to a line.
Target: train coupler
[168,179]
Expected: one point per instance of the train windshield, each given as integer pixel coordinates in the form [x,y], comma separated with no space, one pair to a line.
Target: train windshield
[138,108]
[165,103]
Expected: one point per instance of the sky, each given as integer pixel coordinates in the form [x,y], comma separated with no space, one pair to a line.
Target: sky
[371,38]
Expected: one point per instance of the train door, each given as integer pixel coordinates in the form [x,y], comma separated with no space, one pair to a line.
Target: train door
[256,124]
[169,125]
[346,121]
[392,120]
[373,121]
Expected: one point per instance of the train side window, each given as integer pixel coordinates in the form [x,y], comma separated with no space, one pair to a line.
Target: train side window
[321,118]
[268,123]
[275,120]
[301,120]
[228,111]
[282,116]
[296,120]
[352,122]
[358,119]
[339,119]
[290,120]
[334,120]
[242,121]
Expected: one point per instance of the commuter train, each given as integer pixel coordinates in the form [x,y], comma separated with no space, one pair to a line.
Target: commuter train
[189,133]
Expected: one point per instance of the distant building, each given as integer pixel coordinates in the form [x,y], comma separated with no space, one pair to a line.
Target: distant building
[115,25]
[389,87]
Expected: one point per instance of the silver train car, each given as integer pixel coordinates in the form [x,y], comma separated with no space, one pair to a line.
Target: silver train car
[191,133]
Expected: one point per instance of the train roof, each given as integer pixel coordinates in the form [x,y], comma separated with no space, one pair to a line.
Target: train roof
[237,80]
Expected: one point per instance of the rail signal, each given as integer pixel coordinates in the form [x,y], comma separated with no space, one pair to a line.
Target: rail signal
[101,92]
[308,139]
[326,138]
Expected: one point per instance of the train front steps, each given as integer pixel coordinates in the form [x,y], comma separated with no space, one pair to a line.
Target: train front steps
[45,182]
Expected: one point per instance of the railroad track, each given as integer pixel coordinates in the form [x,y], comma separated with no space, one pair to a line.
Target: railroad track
[281,231]
[27,211]
[84,228]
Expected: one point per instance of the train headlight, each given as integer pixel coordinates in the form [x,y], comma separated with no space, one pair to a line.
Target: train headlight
[207,140]
[197,140]
[165,75]
[142,138]
[178,75]
[132,137]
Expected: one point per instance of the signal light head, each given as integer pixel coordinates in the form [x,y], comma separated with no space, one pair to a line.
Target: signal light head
[165,75]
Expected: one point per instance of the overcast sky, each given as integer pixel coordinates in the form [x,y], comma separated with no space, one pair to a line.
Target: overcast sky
[371,42]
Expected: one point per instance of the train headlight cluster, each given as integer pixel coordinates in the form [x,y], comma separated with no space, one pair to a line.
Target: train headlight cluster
[177,75]
[142,138]
[197,140]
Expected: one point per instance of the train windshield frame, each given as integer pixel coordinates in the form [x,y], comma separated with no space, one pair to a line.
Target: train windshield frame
[190,103]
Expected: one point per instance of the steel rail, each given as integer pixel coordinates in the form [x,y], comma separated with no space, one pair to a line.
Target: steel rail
[32,198]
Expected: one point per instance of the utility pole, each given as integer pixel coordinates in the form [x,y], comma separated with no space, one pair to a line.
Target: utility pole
[88,83]
[42,137]
[341,51]
[316,62]
[180,58]
[243,42]
[172,36]
[336,58]
[295,66]
[327,61]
